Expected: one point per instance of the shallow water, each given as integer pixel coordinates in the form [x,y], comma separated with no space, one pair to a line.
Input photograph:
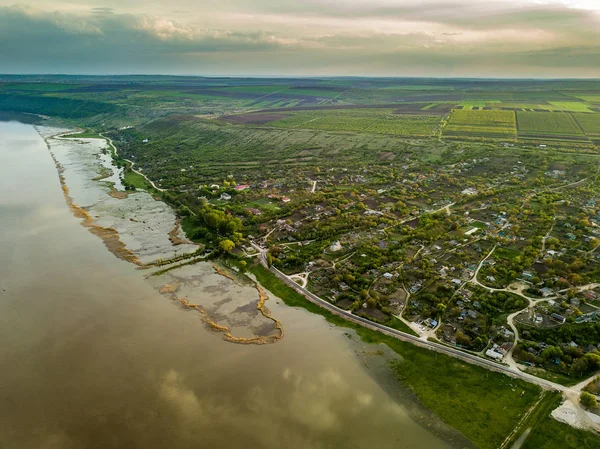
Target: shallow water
[93,356]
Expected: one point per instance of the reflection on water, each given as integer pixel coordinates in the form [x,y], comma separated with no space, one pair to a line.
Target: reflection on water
[93,356]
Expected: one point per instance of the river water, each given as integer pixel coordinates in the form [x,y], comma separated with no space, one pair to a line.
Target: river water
[93,356]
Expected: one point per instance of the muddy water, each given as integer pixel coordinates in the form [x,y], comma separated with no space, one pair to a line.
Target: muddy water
[93,356]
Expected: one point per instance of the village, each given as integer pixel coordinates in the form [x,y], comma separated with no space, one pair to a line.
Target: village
[469,261]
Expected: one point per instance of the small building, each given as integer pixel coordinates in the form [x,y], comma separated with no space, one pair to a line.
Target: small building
[546,291]
[558,318]
[285,199]
[494,355]
[388,276]
[225,196]
[336,246]
[242,187]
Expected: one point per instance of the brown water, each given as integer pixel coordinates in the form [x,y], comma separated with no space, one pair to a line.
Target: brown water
[92,356]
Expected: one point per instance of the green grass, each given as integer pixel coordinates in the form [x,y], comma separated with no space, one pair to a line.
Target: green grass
[138,181]
[556,377]
[507,253]
[483,405]
[548,433]
[83,135]
[551,123]
[470,123]
[572,106]
[376,121]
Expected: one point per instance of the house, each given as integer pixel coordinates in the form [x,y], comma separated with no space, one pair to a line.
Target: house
[145,141]
[242,187]
[225,196]
[546,291]
[255,211]
[494,353]
[215,186]
[344,286]
[388,276]
[285,199]
[491,278]
[336,246]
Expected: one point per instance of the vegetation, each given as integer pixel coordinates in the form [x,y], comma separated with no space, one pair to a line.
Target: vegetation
[548,433]
[468,123]
[440,202]
[484,396]
[588,400]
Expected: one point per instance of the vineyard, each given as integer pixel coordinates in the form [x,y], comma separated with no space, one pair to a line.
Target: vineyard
[590,123]
[470,123]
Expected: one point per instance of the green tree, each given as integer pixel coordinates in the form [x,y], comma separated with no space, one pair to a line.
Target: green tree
[588,400]
[226,245]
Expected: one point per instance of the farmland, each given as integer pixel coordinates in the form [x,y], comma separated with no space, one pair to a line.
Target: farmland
[481,123]
[377,121]
[590,123]
[539,125]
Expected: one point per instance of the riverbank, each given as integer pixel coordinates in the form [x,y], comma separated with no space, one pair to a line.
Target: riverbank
[466,397]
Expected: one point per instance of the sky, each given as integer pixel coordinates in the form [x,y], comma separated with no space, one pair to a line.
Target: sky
[434,38]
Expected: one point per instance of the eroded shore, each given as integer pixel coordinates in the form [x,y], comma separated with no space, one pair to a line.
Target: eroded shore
[138,229]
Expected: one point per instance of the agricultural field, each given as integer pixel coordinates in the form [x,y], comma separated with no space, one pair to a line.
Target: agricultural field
[377,121]
[590,123]
[477,123]
[551,125]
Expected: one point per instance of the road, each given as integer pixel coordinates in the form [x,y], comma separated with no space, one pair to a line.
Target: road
[110,142]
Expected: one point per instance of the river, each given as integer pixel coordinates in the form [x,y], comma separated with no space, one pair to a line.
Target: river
[92,355]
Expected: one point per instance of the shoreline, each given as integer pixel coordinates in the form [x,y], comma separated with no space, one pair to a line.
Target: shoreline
[113,243]
[364,333]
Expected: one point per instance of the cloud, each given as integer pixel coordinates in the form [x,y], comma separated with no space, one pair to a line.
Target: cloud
[380,37]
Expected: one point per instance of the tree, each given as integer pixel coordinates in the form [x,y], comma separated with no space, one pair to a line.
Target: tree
[226,245]
[588,400]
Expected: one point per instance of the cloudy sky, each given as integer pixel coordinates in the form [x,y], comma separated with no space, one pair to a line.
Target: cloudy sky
[498,38]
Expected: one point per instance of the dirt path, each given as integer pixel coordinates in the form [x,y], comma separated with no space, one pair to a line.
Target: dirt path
[110,142]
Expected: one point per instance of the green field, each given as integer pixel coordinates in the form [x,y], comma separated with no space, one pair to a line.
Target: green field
[551,124]
[570,106]
[471,123]
[376,121]
[590,123]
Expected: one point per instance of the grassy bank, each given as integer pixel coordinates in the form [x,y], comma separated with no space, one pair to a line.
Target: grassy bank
[138,181]
[483,405]
[83,135]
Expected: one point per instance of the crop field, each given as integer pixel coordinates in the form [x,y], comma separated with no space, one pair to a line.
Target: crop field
[571,106]
[481,123]
[590,123]
[550,125]
[376,121]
